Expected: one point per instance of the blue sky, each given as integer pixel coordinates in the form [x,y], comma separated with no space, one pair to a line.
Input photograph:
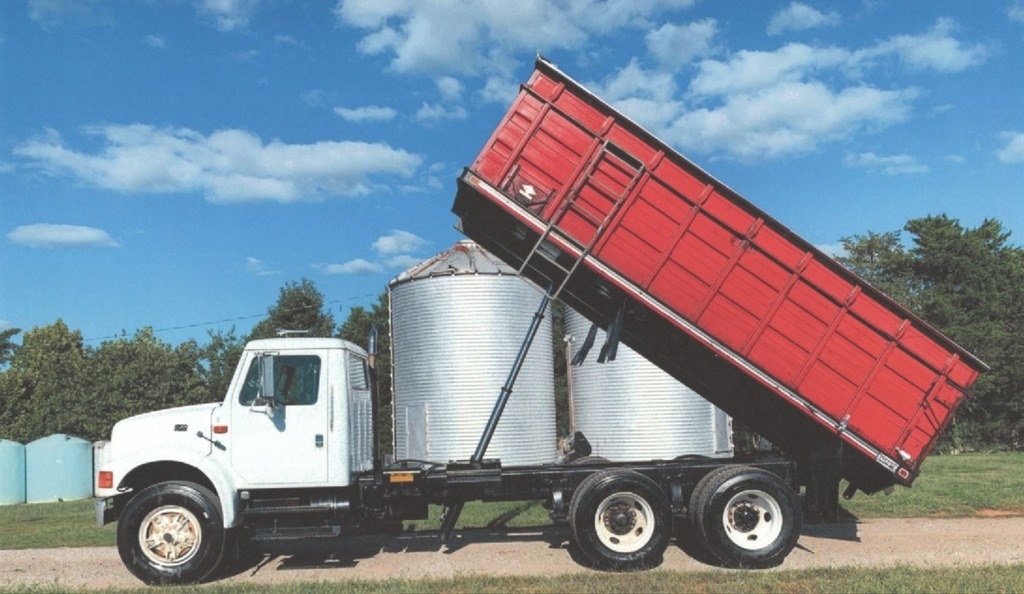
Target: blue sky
[173,163]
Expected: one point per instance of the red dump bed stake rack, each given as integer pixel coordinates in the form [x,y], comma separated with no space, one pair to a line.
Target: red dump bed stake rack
[708,286]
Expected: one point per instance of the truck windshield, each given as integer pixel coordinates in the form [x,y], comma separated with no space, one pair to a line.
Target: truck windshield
[297,379]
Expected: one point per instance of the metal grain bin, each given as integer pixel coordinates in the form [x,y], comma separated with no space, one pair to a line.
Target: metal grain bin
[457,322]
[58,468]
[12,472]
[629,409]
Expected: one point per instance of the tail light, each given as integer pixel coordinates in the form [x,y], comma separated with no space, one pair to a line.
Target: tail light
[105,479]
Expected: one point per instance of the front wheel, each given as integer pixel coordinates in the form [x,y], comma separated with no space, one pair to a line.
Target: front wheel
[747,517]
[621,520]
[171,533]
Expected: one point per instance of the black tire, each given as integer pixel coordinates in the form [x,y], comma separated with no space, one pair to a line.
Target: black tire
[746,517]
[621,520]
[171,533]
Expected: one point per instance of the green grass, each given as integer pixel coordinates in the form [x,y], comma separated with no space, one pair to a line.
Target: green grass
[46,525]
[987,579]
[952,486]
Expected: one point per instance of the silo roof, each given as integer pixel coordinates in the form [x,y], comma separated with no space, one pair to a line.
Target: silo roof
[465,257]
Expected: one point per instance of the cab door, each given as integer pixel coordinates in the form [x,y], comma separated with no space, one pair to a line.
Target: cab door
[283,441]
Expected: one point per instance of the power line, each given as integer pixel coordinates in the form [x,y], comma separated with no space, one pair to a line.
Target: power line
[237,319]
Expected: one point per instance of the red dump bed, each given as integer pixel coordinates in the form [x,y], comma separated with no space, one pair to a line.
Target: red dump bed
[709,287]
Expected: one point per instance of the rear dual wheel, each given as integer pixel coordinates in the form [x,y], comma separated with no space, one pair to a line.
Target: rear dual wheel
[746,517]
[621,520]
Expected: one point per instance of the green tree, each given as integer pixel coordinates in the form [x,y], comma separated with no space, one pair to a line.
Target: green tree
[300,306]
[356,328]
[221,355]
[130,377]
[880,259]
[7,346]
[969,284]
[42,391]
[972,287]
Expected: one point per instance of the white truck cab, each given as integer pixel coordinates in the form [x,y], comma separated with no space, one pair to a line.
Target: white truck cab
[298,414]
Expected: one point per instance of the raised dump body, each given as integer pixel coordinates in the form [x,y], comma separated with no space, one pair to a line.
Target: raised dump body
[708,287]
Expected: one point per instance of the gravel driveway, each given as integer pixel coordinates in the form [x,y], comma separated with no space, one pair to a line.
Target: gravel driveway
[878,543]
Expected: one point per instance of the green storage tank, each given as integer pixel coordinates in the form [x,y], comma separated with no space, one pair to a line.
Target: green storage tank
[58,468]
[12,472]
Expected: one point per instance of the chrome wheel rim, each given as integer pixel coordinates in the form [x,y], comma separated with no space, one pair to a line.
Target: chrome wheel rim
[170,536]
[752,520]
[624,522]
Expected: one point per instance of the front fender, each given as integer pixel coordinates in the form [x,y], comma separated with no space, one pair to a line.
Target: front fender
[135,472]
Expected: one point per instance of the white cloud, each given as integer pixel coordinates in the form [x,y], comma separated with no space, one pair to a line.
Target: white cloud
[228,15]
[1016,12]
[787,118]
[246,56]
[886,164]
[646,96]
[799,17]
[770,104]
[449,87]
[1013,150]
[55,13]
[259,267]
[394,249]
[936,49]
[366,113]
[447,38]
[357,266]
[226,166]
[750,71]
[404,261]
[634,81]
[675,46]
[498,89]
[44,235]
[314,98]
[155,41]
[398,242]
[434,112]
[452,36]
[289,40]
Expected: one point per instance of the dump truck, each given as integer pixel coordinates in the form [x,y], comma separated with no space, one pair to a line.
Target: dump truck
[601,215]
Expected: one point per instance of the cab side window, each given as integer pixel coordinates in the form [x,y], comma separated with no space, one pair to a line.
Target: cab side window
[297,379]
[358,375]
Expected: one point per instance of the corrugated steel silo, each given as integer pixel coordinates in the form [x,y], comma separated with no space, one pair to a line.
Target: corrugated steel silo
[58,468]
[629,409]
[457,322]
[12,472]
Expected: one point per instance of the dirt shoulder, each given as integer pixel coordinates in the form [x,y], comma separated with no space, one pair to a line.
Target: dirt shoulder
[874,543]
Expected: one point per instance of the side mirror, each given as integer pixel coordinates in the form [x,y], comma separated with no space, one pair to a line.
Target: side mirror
[266,395]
